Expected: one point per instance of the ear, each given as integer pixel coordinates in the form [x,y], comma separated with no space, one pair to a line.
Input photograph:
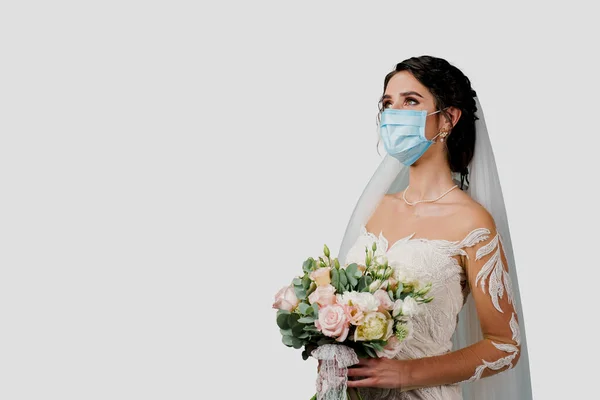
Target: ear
[454,114]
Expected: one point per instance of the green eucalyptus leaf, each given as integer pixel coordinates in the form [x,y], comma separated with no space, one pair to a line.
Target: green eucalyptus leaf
[352,282]
[335,279]
[283,319]
[300,292]
[307,320]
[308,265]
[352,269]
[366,281]
[361,284]
[297,329]
[293,320]
[306,282]
[297,343]
[377,346]
[310,328]
[370,352]
[353,274]
[287,340]
[302,307]
[343,276]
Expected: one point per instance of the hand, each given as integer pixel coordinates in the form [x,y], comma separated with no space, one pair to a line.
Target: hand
[378,372]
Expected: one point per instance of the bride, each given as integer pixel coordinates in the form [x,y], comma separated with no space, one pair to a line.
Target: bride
[435,207]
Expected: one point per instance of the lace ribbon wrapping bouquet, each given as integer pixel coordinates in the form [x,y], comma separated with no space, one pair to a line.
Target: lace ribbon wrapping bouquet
[339,313]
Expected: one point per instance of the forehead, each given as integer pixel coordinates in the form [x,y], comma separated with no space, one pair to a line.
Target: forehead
[404,81]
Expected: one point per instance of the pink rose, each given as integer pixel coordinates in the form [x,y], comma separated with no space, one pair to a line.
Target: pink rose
[332,322]
[354,314]
[392,348]
[323,295]
[321,276]
[286,299]
[385,303]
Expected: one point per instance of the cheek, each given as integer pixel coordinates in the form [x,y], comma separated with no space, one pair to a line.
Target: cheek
[431,129]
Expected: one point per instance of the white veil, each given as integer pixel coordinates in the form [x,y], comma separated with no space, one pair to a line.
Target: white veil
[484,187]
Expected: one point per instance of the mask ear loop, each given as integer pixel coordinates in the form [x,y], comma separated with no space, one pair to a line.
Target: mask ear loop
[444,133]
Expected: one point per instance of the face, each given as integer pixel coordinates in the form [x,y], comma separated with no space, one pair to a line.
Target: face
[405,92]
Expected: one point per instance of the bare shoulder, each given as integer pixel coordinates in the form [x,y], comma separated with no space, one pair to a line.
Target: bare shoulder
[474,216]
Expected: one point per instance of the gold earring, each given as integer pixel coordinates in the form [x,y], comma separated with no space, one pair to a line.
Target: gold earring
[443,134]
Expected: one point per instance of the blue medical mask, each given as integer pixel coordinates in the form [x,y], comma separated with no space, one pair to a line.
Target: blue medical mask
[403,134]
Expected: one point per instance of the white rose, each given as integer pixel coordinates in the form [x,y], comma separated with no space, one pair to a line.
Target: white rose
[366,302]
[410,307]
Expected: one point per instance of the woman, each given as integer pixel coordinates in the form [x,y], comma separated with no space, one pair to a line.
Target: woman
[435,208]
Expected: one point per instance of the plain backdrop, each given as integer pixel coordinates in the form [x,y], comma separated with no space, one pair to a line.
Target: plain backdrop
[166,166]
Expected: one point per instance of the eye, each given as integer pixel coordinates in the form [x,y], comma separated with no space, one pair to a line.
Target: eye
[386,104]
[411,101]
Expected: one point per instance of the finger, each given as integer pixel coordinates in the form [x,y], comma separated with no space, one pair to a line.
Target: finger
[359,372]
[368,382]
[365,362]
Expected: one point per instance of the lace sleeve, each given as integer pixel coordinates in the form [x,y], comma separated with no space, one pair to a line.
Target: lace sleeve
[498,351]
[489,278]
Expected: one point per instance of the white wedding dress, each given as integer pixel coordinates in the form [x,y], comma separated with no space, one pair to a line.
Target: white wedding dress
[434,261]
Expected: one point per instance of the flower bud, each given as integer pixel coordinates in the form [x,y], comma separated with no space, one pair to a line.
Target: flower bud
[388,273]
[326,251]
[374,285]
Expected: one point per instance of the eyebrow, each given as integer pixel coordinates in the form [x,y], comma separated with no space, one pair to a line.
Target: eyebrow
[409,93]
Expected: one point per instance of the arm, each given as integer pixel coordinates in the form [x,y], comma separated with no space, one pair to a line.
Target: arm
[499,350]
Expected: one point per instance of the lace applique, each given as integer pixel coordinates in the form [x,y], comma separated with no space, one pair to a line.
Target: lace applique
[504,361]
[454,248]
[494,269]
[433,260]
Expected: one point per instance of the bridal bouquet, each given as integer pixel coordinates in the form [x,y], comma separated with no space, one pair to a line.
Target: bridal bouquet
[339,313]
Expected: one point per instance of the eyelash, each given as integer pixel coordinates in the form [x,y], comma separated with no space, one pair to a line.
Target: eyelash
[388,102]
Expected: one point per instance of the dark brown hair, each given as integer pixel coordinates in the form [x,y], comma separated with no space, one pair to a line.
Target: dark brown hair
[450,88]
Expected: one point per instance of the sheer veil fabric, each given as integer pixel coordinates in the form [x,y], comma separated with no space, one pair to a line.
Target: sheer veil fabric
[484,187]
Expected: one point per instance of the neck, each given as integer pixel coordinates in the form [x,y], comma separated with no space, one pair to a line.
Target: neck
[429,179]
